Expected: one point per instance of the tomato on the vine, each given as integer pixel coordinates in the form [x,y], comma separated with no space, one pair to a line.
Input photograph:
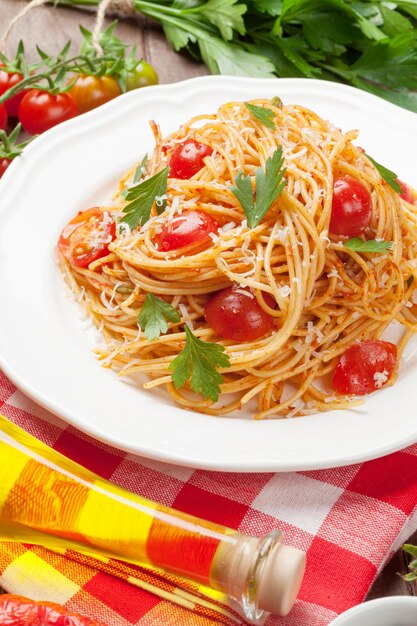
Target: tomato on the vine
[39,110]
[90,92]
[406,192]
[87,236]
[4,164]
[365,367]
[188,159]
[142,76]
[3,117]
[7,81]
[235,314]
[188,228]
[351,207]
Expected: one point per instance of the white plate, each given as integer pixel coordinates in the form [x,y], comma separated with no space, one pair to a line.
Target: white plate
[46,351]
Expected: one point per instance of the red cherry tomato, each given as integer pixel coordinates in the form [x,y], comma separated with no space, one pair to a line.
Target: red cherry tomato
[235,314]
[187,159]
[365,367]
[8,80]
[87,237]
[406,192]
[185,229]
[19,611]
[351,208]
[4,164]
[3,117]
[90,92]
[39,110]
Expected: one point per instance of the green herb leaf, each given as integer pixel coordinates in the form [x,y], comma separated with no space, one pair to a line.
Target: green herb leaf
[226,15]
[269,184]
[141,198]
[233,60]
[198,362]
[154,315]
[263,114]
[390,177]
[140,170]
[359,245]
[391,62]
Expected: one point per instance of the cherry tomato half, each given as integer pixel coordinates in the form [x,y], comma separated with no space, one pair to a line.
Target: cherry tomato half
[235,314]
[185,229]
[351,208]
[4,164]
[8,80]
[365,367]
[142,76]
[3,117]
[87,237]
[406,192]
[187,159]
[39,110]
[90,92]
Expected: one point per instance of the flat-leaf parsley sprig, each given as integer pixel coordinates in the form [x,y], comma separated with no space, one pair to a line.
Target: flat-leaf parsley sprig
[141,198]
[263,114]
[390,177]
[269,183]
[198,363]
[372,245]
[154,316]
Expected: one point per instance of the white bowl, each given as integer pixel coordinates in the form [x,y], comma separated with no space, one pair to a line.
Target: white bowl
[392,611]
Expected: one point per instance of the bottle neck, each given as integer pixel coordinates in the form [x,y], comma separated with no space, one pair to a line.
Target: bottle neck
[237,570]
[262,574]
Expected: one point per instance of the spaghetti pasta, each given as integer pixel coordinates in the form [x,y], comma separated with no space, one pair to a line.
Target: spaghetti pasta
[323,296]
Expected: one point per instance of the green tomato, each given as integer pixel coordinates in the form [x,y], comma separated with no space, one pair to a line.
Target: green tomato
[143,76]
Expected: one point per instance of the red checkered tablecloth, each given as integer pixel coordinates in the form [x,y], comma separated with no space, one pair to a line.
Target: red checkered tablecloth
[349,520]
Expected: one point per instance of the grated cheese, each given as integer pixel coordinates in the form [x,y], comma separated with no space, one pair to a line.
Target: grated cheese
[186,316]
[380,378]
[284,291]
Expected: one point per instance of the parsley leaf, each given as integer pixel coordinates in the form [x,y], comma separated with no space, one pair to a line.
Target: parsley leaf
[269,184]
[264,115]
[154,314]
[141,198]
[390,177]
[199,361]
[359,245]
[140,170]
[226,15]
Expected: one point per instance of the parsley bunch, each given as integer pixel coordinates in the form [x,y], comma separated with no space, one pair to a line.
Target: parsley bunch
[371,44]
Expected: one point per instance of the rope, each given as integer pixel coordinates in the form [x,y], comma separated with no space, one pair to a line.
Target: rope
[32,4]
[123,8]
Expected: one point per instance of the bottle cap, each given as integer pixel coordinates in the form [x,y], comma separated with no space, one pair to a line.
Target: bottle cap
[261,573]
[280,579]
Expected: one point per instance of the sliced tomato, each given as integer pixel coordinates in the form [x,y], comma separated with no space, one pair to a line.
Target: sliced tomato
[406,192]
[365,367]
[351,207]
[235,314]
[20,611]
[87,237]
[185,229]
[188,159]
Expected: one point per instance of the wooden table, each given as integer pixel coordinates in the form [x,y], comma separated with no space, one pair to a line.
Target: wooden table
[51,28]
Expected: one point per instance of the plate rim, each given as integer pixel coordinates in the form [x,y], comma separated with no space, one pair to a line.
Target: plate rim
[98,117]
